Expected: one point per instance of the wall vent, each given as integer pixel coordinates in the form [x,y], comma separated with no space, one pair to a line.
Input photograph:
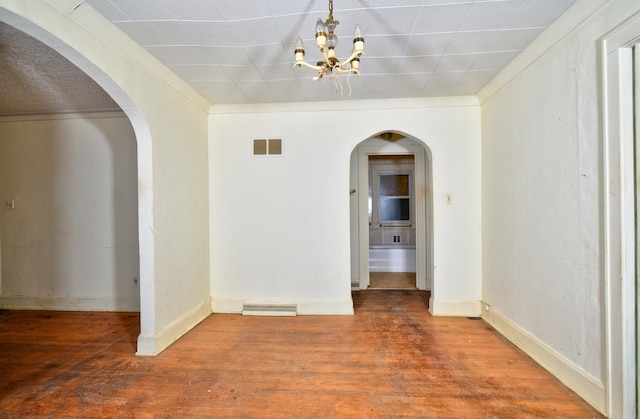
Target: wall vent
[269,309]
[267,146]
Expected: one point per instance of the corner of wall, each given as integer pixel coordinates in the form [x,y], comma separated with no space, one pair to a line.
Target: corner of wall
[153,344]
[470,308]
[585,385]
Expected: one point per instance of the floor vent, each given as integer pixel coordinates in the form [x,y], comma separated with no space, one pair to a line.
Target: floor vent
[269,309]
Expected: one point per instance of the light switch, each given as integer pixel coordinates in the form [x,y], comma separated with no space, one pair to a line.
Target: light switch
[9,204]
[448,197]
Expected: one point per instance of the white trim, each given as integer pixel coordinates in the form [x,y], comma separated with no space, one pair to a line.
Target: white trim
[350,105]
[584,384]
[619,222]
[67,303]
[150,345]
[460,308]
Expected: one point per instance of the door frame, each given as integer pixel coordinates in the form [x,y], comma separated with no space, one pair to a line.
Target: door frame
[423,201]
[620,225]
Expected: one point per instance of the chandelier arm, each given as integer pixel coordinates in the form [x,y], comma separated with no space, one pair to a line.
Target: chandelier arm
[348,70]
[356,54]
[306,64]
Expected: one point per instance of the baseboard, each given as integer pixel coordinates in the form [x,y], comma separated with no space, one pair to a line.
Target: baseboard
[582,383]
[470,308]
[150,345]
[66,303]
[234,306]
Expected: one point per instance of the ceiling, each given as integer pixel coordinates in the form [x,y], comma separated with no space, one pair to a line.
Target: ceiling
[235,52]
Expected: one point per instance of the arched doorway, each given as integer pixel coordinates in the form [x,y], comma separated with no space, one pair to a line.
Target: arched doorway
[415,157]
[144,164]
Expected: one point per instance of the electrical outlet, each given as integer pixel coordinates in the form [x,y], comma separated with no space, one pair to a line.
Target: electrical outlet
[9,204]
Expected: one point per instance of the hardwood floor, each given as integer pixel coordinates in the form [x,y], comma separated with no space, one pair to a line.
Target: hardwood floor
[392,280]
[392,359]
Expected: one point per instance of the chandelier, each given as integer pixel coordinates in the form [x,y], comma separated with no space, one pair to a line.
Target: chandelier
[326,40]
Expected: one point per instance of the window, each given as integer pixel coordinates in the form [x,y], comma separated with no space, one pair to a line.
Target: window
[395,197]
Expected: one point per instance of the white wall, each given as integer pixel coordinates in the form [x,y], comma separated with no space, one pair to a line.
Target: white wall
[71,240]
[542,198]
[280,226]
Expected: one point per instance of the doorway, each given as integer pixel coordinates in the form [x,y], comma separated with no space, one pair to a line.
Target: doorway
[143,188]
[391,211]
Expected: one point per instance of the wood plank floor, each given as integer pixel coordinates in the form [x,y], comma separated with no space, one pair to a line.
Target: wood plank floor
[392,359]
[392,280]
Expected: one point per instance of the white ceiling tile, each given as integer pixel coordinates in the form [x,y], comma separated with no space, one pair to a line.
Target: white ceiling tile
[143,9]
[435,90]
[135,32]
[167,33]
[233,96]
[539,13]
[263,98]
[413,83]
[228,55]
[478,78]
[441,18]
[279,7]
[380,65]
[211,33]
[393,20]
[253,32]
[474,41]
[269,54]
[286,90]
[429,44]
[451,78]
[494,60]
[425,64]
[458,62]
[200,72]
[194,10]
[396,3]
[172,55]
[514,39]
[386,46]
[440,2]
[108,10]
[242,72]
[492,15]
[277,71]
[463,90]
[240,10]
[251,88]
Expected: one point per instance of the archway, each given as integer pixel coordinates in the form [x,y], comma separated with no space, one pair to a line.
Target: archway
[144,163]
[391,143]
